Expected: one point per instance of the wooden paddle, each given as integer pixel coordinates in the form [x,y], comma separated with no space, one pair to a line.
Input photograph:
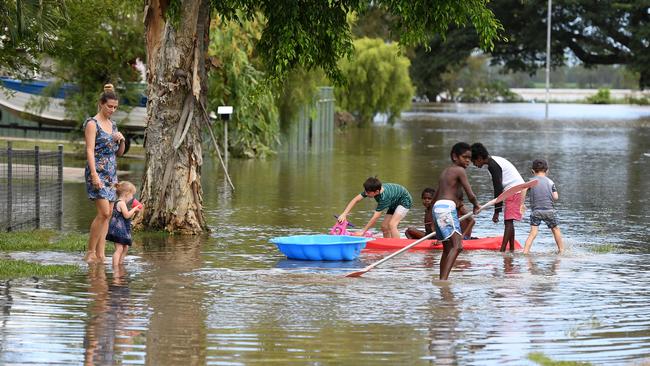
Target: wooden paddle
[502,197]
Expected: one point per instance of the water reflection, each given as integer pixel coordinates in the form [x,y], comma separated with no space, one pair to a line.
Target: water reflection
[109,330]
[343,266]
[231,298]
[176,331]
[445,340]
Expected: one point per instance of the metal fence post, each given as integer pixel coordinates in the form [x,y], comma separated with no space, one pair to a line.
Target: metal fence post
[9,186]
[37,187]
[59,201]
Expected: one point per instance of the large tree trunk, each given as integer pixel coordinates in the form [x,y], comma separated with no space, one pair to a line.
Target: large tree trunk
[176,76]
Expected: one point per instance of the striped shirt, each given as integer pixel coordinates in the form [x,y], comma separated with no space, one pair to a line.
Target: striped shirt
[393,195]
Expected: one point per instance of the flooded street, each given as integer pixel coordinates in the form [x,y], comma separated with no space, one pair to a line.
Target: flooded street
[230,297]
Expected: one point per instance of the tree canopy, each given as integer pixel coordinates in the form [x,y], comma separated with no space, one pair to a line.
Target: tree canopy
[235,80]
[377,81]
[99,45]
[317,33]
[596,32]
[27,29]
[585,31]
[298,34]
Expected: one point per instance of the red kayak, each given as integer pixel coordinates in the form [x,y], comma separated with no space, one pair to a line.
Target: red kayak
[390,244]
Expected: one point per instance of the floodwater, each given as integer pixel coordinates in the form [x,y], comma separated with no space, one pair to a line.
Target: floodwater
[230,298]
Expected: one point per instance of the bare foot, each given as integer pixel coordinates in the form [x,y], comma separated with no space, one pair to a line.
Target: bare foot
[101,259]
[90,257]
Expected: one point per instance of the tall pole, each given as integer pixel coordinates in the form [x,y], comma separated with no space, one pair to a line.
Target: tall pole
[548,55]
[225,141]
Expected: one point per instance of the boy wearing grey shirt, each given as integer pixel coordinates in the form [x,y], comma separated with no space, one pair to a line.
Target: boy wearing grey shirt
[542,197]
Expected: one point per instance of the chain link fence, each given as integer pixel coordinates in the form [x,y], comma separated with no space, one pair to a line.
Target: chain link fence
[31,189]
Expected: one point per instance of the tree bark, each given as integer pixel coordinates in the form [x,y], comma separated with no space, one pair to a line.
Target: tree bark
[177,91]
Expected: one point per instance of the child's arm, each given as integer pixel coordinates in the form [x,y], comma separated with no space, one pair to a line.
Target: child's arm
[125,211]
[554,194]
[372,222]
[497,182]
[522,209]
[342,217]
[468,190]
[428,220]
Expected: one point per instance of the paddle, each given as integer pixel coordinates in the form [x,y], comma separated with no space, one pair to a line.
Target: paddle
[507,193]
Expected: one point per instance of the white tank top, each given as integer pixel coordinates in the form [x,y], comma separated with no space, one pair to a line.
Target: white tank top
[510,176]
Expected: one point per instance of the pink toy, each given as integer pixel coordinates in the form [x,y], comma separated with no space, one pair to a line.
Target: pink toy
[136,203]
[340,228]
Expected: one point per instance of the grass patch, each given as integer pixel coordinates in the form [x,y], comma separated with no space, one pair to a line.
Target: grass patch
[603,248]
[38,240]
[544,360]
[17,269]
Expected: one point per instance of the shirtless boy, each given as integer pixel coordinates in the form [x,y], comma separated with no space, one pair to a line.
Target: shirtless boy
[466,225]
[444,209]
[427,202]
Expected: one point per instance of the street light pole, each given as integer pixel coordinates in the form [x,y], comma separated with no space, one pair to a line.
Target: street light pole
[548,55]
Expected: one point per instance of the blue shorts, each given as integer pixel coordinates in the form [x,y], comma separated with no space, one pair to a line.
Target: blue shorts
[445,218]
[548,216]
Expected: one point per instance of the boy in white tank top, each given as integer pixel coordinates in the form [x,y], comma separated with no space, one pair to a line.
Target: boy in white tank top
[504,175]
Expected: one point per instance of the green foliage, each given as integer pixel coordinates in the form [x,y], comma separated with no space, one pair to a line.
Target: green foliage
[317,33]
[374,23]
[472,83]
[377,81]
[639,101]
[573,76]
[603,248]
[297,91]
[42,240]
[440,55]
[237,81]
[99,45]
[544,360]
[492,91]
[618,33]
[601,97]
[28,29]
[17,269]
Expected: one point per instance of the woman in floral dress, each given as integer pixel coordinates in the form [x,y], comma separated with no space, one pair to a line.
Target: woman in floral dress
[103,144]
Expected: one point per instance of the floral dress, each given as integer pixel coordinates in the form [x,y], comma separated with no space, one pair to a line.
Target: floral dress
[119,228]
[105,164]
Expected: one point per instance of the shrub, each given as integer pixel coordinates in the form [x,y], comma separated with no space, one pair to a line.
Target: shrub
[377,81]
[602,97]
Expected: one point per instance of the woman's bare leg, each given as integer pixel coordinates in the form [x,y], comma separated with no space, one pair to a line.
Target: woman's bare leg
[98,230]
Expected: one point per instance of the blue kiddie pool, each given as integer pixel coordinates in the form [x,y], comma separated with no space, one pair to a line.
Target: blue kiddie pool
[321,247]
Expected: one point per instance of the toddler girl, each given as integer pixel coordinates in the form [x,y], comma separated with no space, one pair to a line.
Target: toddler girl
[119,230]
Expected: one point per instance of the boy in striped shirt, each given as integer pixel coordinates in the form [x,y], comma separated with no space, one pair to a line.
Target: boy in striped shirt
[389,196]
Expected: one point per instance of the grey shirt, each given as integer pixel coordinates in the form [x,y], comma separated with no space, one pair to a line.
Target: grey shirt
[541,196]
